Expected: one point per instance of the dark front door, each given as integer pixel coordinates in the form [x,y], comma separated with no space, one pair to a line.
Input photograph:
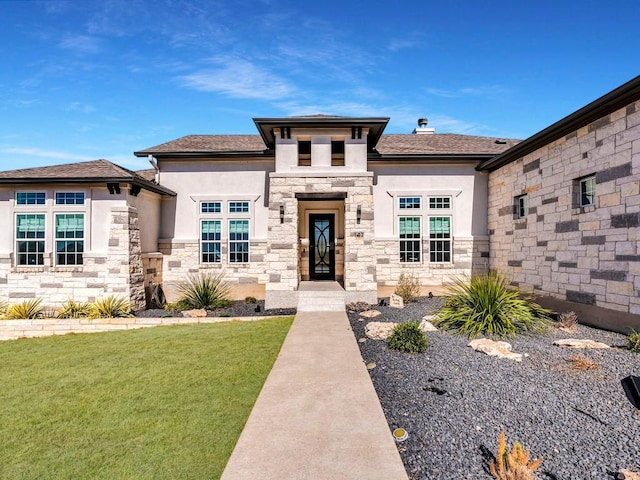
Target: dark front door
[322,254]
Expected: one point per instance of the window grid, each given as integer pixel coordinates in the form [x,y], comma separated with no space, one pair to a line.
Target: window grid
[69,198]
[587,191]
[440,239]
[520,206]
[69,239]
[30,232]
[238,207]
[211,207]
[439,202]
[409,232]
[304,153]
[337,153]
[211,241]
[238,241]
[409,202]
[31,198]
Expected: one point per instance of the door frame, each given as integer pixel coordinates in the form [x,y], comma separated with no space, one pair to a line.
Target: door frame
[331,275]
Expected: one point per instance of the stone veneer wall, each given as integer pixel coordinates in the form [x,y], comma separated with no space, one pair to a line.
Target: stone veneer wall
[119,272]
[470,256]
[589,255]
[282,257]
[183,258]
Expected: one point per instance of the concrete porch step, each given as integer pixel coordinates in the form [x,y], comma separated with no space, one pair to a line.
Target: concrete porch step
[321,297]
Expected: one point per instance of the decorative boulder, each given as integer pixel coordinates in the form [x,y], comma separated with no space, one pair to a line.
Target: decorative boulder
[427,326]
[495,349]
[197,313]
[379,330]
[579,343]
[369,314]
[396,301]
[628,475]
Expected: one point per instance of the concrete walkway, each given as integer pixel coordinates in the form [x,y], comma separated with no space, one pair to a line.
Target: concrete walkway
[318,415]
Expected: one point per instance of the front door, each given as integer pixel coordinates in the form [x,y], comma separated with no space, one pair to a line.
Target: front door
[322,255]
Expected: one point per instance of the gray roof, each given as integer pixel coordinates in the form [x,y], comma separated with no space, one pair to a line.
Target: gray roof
[388,145]
[82,172]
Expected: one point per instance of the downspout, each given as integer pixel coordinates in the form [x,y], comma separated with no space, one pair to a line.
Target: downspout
[154,164]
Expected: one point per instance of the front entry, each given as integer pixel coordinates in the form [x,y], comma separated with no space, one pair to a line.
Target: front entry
[322,247]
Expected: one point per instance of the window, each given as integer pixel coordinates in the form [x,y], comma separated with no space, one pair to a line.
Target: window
[238,207]
[30,239]
[210,241]
[211,207]
[409,202]
[587,193]
[238,241]
[69,238]
[409,229]
[69,198]
[304,153]
[520,206]
[337,153]
[440,239]
[439,202]
[30,198]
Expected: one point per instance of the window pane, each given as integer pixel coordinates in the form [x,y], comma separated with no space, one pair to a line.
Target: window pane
[211,207]
[238,241]
[440,202]
[409,202]
[211,245]
[238,207]
[30,198]
[440,239]
[69,198]
[30,226]
[69,226]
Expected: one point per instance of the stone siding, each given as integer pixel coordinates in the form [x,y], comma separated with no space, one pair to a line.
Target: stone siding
[118,272]
[591,254]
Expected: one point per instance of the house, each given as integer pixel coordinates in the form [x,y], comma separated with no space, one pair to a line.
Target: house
[564,211]
[334,198]
[308,198]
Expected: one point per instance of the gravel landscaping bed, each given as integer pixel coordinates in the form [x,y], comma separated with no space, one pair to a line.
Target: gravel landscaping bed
[235,309]
[454,402]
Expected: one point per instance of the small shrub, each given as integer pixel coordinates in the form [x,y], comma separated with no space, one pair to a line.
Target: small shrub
[111,307]
[581,363]
[408,337]
[408,288]
[513,464]
[203,290]
[485,305]
[250,300]
[358,307]
[25,309]
[633,341]
[71,309]
[172,307]
[568,321]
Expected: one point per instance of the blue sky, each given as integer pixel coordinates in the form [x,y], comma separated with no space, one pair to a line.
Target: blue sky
[82,80]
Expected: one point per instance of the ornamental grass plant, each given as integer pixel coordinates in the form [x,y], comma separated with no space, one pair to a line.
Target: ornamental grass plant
[71,309]
[486,305]
[111,307]
[633,341]
[513,464]
[25,309]
[203,290]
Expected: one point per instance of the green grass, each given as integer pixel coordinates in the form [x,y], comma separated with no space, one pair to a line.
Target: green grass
[163,402]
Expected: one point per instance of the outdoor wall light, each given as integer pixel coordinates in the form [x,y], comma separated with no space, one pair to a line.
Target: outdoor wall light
[281,213]
[358,214]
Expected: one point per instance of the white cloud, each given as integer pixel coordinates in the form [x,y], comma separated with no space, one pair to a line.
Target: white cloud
[238,78]
[41,153]
[81,107]
[81,44]
[480,91]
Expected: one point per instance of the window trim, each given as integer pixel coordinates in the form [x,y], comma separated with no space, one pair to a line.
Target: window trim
[67,192]
[210,202]
[434,199]
[31,205]
[449,240]
[582,193]
[304,158]
[520,206]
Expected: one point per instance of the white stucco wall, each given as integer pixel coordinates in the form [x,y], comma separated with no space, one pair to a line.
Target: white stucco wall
[148,205]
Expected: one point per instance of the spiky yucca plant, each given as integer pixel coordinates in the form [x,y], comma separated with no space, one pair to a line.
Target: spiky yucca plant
[203,290]
[25,309]
[513,464]
[485,305]
[111,307]
[71,309]
[3,308]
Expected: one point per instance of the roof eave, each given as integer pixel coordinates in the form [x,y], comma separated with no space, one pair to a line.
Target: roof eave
[206,154]
[436,157]
[612,101]
[147,185]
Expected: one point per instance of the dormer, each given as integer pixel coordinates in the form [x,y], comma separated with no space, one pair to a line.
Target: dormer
[320,143]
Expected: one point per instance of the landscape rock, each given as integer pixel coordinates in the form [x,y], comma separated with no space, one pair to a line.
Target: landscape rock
[579,343]
[379,330]
[369,313]
[396,301]
[196,313]
[628,474]
[495,349]
[427,326]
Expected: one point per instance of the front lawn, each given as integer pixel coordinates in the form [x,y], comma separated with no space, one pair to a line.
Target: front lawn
[163,402]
